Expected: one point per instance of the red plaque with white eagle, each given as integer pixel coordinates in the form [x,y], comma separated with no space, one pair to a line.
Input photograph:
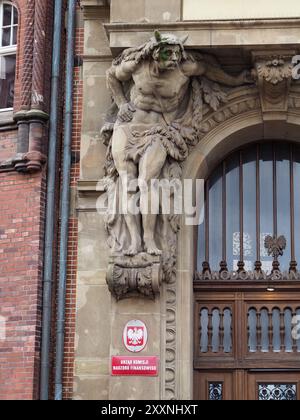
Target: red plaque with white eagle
[135,336]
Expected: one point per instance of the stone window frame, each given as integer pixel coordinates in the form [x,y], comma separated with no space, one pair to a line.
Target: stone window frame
[6,114]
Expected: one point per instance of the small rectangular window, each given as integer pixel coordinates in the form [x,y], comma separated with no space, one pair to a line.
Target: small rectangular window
[215,391]
[7,78]
[280,392]
[8,48]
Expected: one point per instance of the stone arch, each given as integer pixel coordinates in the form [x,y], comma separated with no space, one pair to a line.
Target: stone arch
[237,131]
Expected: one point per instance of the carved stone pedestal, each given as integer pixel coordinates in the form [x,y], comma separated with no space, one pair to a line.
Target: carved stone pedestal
[139,275]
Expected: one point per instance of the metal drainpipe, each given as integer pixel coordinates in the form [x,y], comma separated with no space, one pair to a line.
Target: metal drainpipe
[65,202]
[50,209]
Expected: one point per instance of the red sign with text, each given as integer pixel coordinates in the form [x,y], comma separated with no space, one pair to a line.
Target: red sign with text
[137,366]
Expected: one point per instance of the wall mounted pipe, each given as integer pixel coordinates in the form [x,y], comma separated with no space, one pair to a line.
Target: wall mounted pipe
[65,201]
[50,208]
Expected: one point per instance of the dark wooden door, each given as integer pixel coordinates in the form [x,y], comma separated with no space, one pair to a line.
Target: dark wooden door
[247,385]
[244,345]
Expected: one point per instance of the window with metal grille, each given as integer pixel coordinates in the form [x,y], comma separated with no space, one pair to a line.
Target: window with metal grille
[252,195]
[8,48]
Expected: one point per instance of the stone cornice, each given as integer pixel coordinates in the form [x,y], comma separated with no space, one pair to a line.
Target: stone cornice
[88,187]
[238,33]
[100,58]
[95,3]
[96,9]
[8,126]
[207,24]
[33,114]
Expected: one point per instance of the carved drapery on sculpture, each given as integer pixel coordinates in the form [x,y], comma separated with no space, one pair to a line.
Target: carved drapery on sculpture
[160,93]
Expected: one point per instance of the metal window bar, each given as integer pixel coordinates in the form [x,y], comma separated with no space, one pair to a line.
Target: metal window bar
[224,236]
[257,203]
[292,205]
[241,208]
[207,221]
[274,192]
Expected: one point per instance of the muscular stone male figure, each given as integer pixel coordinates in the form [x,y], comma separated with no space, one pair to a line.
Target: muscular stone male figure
[160,73]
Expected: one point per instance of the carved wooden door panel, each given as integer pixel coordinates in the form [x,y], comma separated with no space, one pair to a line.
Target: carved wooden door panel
[245,347]
[247,385]
[273,386]
[214,386]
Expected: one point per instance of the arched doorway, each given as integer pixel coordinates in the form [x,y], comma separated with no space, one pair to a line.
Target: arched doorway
[246,294]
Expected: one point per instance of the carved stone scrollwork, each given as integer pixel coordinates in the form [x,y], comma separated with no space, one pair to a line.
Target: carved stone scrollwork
[274,75]
[134,276]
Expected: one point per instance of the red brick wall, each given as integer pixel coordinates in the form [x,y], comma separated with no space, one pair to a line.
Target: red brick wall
[68,374]
[22,208]
[22,200]
[8,144]
[21,65]
[22,204]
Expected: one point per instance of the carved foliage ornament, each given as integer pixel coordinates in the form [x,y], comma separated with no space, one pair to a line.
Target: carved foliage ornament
[274,77]
[275,70]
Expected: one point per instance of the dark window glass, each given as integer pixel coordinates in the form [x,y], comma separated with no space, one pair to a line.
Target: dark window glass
[8,42]
[266,201]
[8,25]
[215,391]
[6,34]
[249,207]
[250,196]
[7,78]
[15,16]
[297,200]
[15,33]
[232,211]
[283,199]
[7,9]
[215,218]
[279,392]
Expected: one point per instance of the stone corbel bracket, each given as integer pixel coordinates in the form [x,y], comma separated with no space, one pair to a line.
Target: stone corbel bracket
[139,275]
[273,72]
[31,140]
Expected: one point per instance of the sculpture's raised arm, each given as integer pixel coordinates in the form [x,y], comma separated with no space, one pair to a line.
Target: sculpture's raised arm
[215,73]
[115,76]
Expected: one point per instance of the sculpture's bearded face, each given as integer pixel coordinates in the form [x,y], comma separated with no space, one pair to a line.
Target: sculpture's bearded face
[167,56]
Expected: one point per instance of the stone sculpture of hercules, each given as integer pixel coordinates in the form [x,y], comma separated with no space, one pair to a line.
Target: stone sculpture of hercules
[161,79]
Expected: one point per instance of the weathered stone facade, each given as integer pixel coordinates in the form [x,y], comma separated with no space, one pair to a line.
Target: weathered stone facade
[248,115]
[107,289]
